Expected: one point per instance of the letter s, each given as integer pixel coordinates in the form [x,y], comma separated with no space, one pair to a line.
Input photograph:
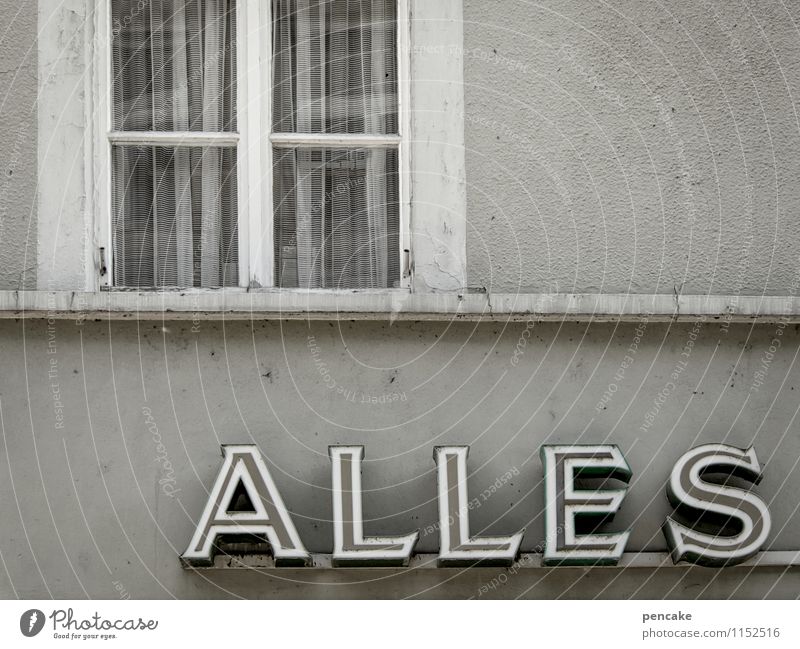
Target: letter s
[691,493]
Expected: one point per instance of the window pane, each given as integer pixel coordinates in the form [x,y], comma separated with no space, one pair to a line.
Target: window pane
[174,220]
[174,65]
[336,218]
[335,66]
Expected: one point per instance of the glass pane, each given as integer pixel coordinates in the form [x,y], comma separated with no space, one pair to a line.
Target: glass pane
[174,65]
[175,217]
[335,66]
[337,218]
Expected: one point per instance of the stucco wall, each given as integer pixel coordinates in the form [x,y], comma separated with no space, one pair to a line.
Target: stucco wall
[18,135]
[91,498]
[633,145]
[637,146]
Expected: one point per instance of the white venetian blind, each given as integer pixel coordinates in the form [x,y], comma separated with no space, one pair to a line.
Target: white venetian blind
[336,208]
[175,212]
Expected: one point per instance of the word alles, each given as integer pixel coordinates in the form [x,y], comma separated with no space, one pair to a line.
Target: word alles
[742,518]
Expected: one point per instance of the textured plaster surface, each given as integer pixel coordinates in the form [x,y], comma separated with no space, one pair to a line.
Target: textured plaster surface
[113,434]
[626,146]
[18,141]
[611,147]
[633,146]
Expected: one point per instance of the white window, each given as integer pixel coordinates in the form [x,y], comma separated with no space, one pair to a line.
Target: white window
[262,145]
[336,143]
[191,178]
[174,219]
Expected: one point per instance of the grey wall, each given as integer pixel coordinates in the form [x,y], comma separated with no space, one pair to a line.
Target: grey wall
[633,145]
[637,146]
[18,131]
[83,481]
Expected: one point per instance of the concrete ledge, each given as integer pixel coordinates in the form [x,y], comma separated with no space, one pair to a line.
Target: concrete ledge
[639,583]
[789,558]
[241,304]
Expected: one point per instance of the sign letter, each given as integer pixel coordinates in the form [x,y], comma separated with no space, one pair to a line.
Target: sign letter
[691,494]
[566,505]
[456,546]
[244,477]
[351,548]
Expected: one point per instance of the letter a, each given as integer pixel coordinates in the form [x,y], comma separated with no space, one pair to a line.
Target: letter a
[244,473]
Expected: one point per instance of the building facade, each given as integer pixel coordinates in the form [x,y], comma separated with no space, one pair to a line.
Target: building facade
[586,235]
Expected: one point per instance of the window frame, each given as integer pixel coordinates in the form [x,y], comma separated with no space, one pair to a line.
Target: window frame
[254,141]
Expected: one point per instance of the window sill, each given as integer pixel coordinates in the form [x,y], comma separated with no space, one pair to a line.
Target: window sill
[398,304]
